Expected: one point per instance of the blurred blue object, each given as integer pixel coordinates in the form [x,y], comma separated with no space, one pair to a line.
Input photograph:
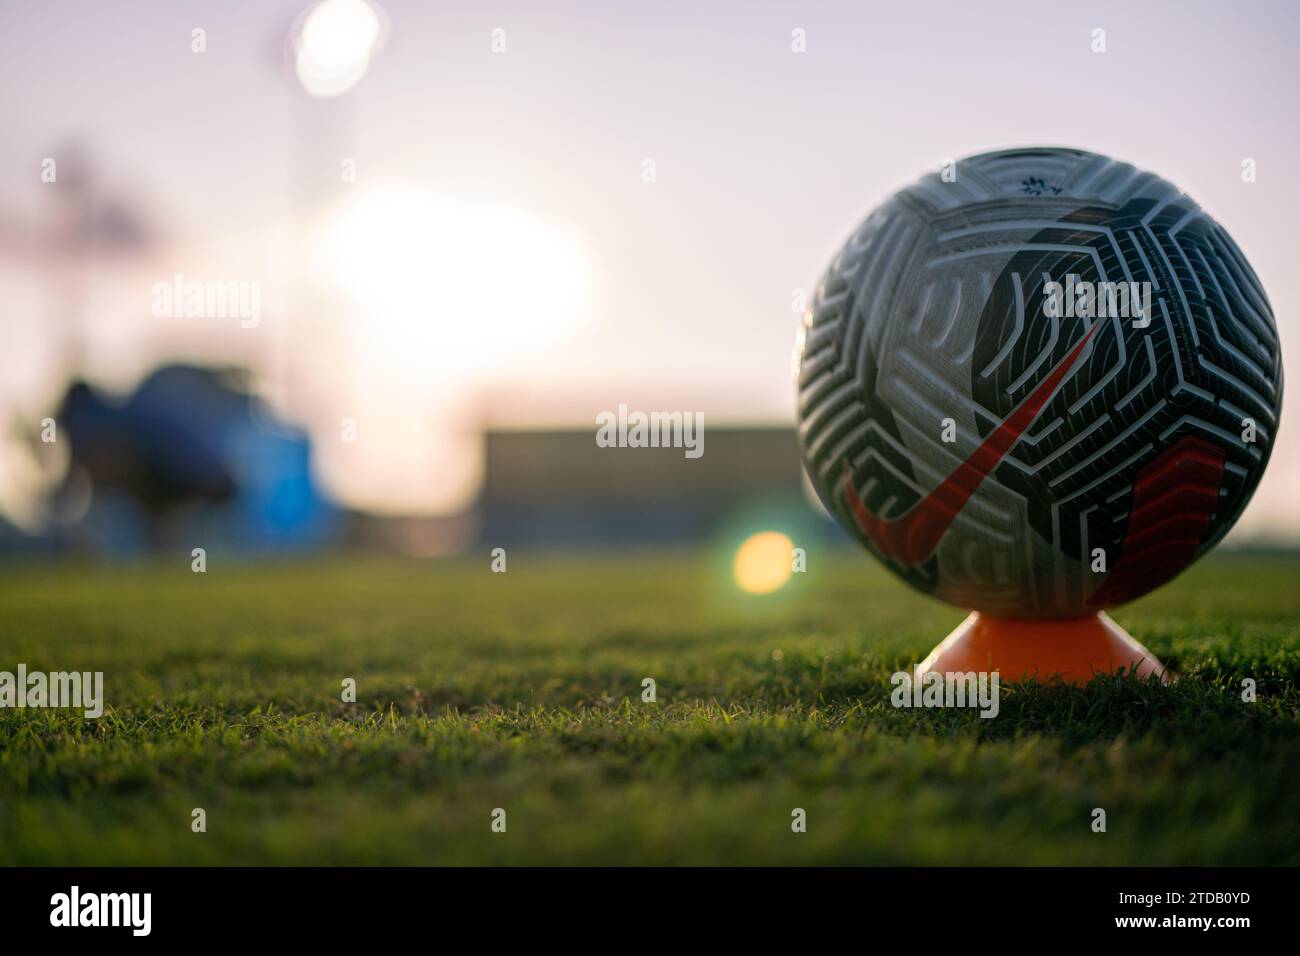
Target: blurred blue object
[198,461]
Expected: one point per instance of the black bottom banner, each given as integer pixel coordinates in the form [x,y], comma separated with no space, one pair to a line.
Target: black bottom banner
[364,905]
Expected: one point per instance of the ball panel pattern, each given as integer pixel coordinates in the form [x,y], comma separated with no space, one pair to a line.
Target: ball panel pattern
[933,311]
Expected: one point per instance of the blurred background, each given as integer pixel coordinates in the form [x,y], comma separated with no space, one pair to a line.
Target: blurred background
[432,241]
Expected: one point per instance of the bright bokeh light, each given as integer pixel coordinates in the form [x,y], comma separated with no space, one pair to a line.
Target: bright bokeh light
[763,562]
[334,45]
[445,282]
[436,296]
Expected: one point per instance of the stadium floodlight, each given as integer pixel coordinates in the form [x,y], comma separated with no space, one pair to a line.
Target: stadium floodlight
[333,43]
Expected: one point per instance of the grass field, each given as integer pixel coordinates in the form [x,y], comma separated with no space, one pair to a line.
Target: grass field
[523,691]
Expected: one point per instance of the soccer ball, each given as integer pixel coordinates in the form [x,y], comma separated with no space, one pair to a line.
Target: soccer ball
[1038,384]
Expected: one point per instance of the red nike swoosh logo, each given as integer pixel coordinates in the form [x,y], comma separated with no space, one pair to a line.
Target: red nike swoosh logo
[913,537]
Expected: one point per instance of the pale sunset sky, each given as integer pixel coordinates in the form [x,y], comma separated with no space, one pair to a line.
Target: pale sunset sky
[499,257]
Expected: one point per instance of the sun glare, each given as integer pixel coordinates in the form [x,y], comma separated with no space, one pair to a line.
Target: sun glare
[763,562]
[433,296]
[450,281]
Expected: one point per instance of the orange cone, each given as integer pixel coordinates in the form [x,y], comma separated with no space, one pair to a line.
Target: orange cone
[1073,649]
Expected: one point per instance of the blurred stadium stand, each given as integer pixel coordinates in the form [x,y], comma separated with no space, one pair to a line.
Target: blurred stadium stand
[560,489]
[192,458]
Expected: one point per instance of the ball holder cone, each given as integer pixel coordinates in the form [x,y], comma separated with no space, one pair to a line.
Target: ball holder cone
[1075,650]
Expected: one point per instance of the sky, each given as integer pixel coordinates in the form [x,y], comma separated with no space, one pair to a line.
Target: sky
[501,254]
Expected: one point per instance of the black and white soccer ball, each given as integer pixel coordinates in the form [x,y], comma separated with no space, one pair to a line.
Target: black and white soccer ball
[989,404]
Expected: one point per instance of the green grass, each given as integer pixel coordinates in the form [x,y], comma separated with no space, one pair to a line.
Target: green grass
[523,691]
